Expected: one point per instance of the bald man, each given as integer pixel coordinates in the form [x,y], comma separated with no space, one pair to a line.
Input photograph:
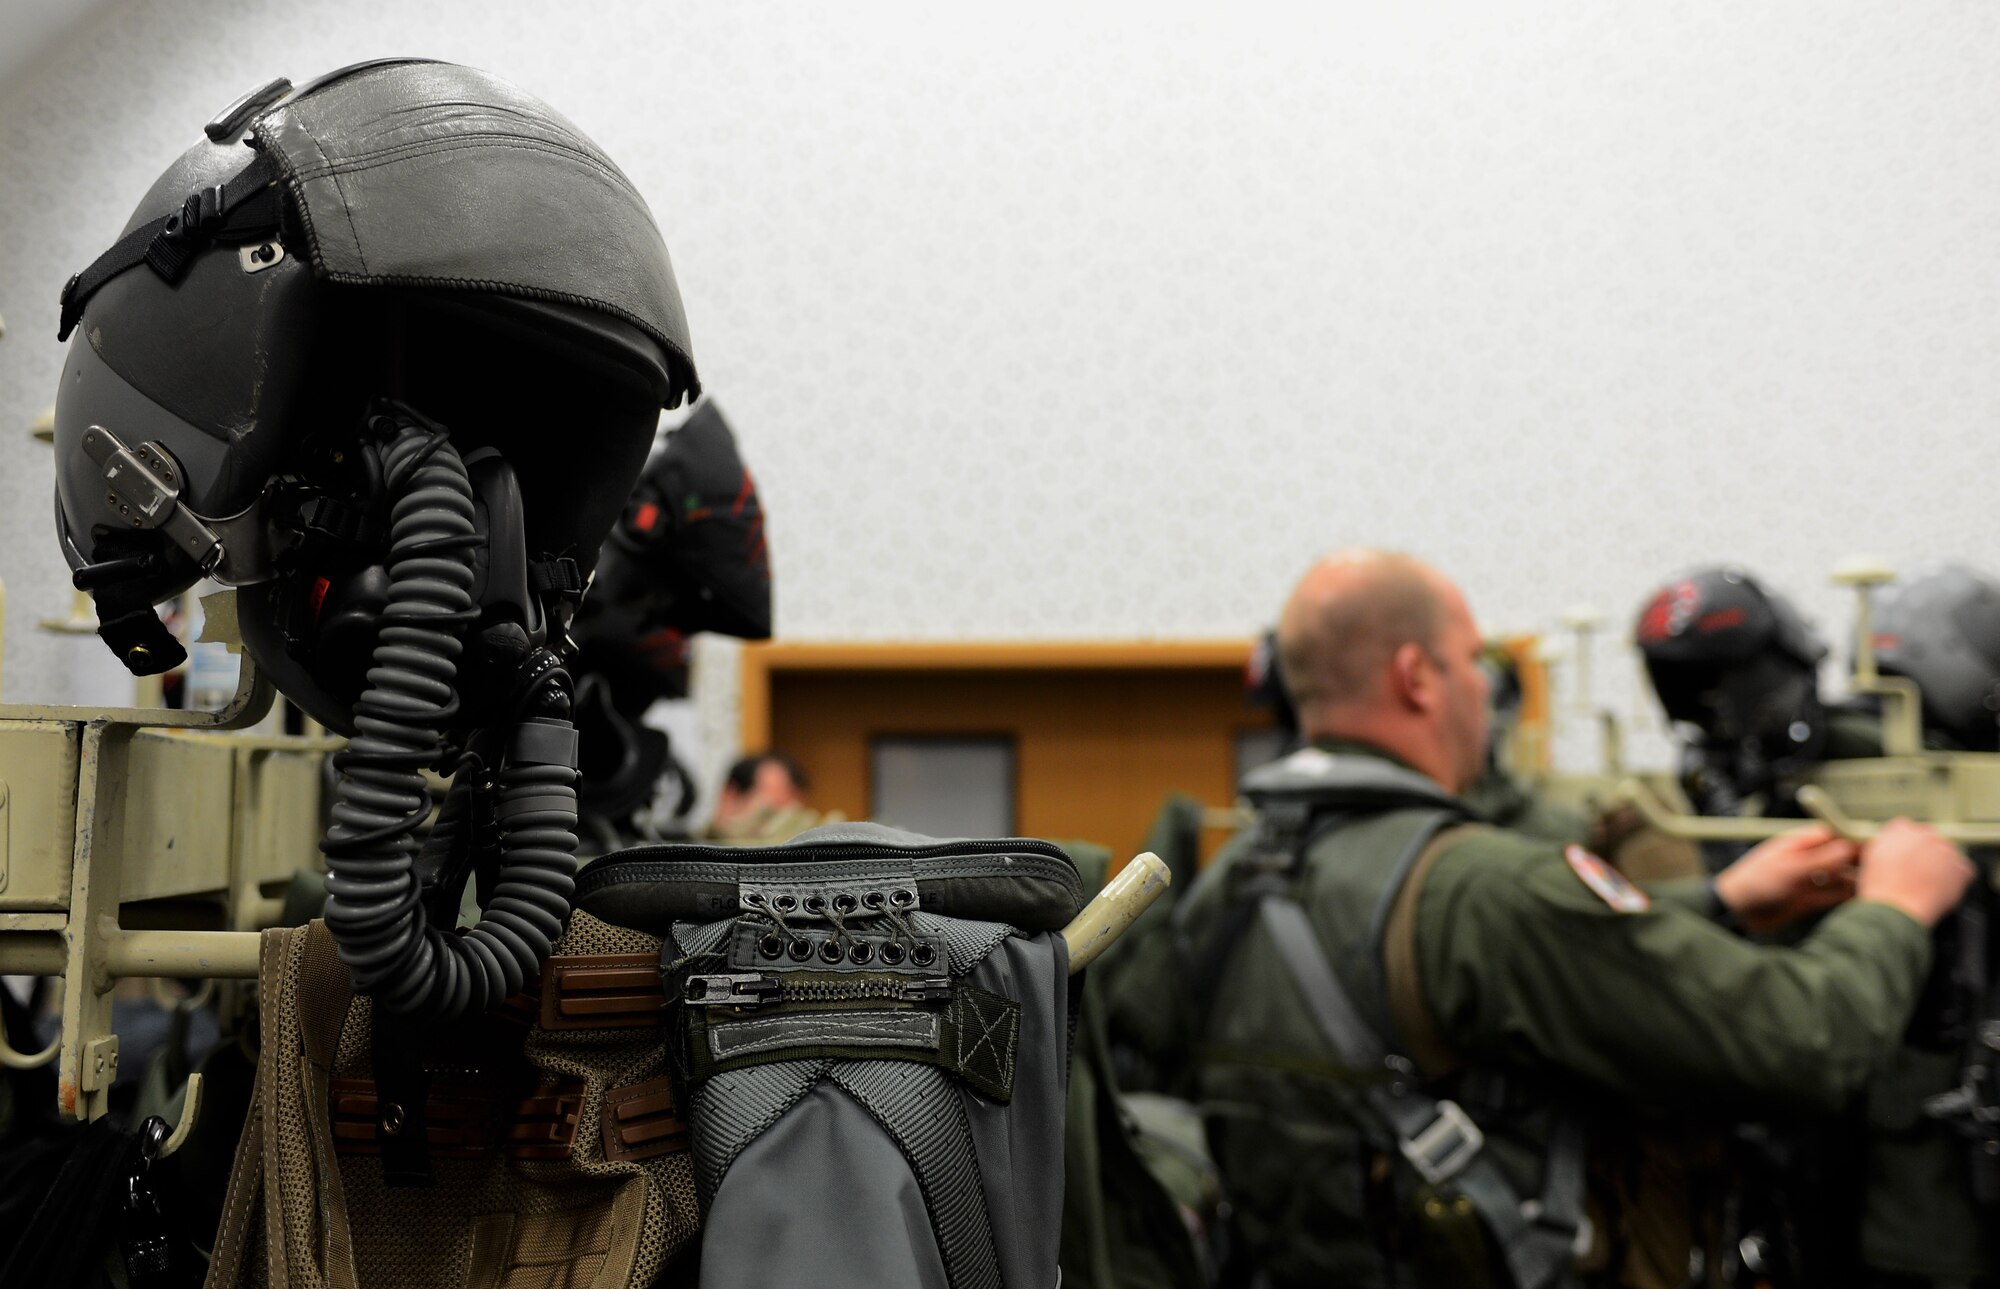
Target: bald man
[1415,1035]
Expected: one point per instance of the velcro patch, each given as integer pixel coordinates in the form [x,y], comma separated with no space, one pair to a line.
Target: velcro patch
[1606,882]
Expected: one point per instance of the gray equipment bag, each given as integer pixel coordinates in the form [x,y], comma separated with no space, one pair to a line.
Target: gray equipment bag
[873,1030]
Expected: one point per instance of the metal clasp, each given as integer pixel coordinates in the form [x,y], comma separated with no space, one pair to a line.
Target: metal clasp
[730,989]
[1442,1150]
[144,492]
[932,989]
[1580,1232]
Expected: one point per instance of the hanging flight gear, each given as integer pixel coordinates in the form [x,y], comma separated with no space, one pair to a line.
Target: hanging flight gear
[1737,662]
[102,1215]
[541,1145]
[1971,1111]
[1462,1220]
[873,1029]
[687,555]
[1940,627]
[386,351]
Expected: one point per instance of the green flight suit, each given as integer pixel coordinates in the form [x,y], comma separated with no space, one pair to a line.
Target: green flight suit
[1503,799]
[1128,978]
[1532,979]
[1128,1212]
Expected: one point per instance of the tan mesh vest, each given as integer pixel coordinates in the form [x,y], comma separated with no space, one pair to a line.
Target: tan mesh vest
[559,1156]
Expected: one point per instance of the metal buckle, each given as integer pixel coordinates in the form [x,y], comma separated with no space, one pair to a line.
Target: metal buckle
[205,207]
[1442,1150]
[730,989]
[935,989]
[1580,1232]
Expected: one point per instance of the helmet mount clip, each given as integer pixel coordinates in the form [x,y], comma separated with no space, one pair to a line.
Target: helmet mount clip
[145,492]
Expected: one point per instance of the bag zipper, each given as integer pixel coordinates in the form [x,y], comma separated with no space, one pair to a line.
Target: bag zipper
[761,988]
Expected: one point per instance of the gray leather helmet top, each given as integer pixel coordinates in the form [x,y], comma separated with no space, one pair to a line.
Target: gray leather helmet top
[400,228]
[1941,628]
[433,175]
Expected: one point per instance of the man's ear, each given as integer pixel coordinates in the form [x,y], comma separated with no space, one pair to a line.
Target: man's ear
[1413,678]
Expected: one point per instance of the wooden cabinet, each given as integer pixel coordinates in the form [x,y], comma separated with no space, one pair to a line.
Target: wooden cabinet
[1100,732]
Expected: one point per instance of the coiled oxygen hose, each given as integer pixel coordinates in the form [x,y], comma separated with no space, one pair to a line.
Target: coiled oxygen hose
[409,964]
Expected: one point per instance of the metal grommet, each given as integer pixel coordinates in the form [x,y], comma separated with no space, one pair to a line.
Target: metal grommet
[771,946]
[874,899]
[785,903]
[815,903]
[138,655]
[845,904]
[801,950]
[923,955]
[893,953]
[860,953]
[902,897]
[1462,1206]
[1433,1207]
[829,951]
[392,1120]
[755,899]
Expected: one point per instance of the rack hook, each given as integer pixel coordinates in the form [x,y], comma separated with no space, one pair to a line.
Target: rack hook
[190,1111]
[14,1060]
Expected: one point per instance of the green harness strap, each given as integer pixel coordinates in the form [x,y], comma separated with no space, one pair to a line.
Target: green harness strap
[1536,1237]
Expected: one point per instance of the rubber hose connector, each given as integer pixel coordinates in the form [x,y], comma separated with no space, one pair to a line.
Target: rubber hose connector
[394,954]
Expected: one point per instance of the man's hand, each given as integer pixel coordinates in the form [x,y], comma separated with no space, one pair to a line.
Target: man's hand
[1788,877]
[1909,867]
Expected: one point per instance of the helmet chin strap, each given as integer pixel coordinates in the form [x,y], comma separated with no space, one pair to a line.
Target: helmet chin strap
[126,621]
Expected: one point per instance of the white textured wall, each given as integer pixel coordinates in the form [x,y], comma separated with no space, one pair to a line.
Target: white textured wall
[1102,320]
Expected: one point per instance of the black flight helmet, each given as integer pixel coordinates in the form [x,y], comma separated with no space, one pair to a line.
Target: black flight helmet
[1736,661]
[688,552]
[687,555]
[1941,629]
[385,351]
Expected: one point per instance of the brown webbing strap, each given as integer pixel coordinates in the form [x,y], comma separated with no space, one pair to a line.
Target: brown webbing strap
[242,1202]
[276,1041]
[1402,980]
[325,991]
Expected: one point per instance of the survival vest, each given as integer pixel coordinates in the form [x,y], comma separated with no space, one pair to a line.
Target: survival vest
[1372,1167]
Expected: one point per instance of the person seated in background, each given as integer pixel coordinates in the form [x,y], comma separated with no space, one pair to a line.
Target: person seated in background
[763,802]
[1415,1035]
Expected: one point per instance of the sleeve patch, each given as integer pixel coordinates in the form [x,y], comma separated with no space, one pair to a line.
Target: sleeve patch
[1606,882]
